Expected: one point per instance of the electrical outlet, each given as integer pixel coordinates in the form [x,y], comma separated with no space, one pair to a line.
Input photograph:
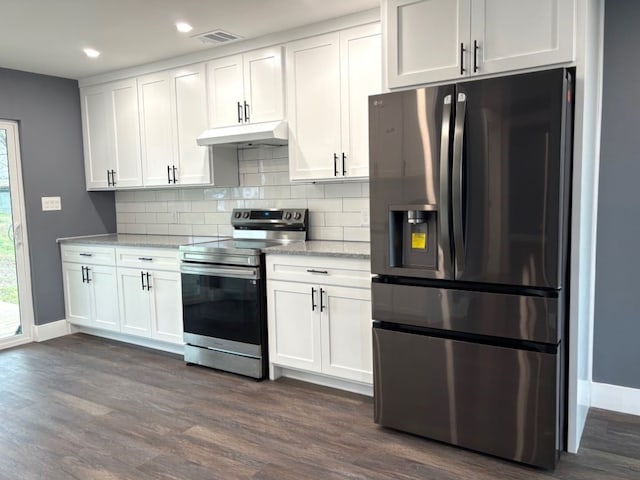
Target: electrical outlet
[51,203]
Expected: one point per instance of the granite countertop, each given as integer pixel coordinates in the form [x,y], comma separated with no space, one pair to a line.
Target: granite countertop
[324,248]
[130,240]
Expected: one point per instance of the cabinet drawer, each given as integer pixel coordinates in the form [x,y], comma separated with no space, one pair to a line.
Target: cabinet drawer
[314,269]
[88,254]
[148,258]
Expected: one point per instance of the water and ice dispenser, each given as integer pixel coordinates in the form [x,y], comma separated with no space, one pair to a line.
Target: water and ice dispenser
[413,237]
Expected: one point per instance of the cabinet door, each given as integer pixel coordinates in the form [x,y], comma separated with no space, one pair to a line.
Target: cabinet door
[154,97]
[313,103]
[346,333]
[424,38]
[513,34]
[189,117]
[97,136]
[225,89]
[360,60]
[76,294]
[263,85]
[104,297]
[135,312]
[166,306]
[294,325]
[125,125]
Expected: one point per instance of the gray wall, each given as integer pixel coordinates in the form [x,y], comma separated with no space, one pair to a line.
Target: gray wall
[617,303]
[48,112]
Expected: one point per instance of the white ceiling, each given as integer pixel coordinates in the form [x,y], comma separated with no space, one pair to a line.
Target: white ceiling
[47,36]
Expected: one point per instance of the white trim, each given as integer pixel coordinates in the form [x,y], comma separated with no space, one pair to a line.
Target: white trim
[47,331]
[319,379]
[278,38]
[121,337]
[615,398]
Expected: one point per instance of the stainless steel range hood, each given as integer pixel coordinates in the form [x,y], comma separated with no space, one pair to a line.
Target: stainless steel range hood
[265,133]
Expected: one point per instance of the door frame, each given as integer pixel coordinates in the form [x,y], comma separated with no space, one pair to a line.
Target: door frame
[23,264]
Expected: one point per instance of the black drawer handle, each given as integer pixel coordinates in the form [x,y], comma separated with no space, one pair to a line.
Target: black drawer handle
[313,270]
[86,254]
[145,259]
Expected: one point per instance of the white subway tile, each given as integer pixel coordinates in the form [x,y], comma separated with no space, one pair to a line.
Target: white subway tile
[229,205]
[317,219]
[146,218]
[356,234]
[137,228]
[341,219]
[204,206]
[176,229]
[307,191]
[129,207]
[217,193]
[365,189]
[325,205]
[355,205]
[205,230]
[285,203]
[326,233]
[252,153]
[277,192]
[280,152]
[274,165]
[225,230]
[125,196]
[145,196]
[257,203]
[125,217]
[246,193]
[179,206]
[156,207]
[192,194]
[167,195]
[171,217]
[251,179]
[191,218]
[275,178]
[336,190]
[158,229]
[216,218]
[248,166]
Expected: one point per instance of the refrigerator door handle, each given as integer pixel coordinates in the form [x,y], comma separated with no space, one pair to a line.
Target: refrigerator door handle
[457,182]
[445,156]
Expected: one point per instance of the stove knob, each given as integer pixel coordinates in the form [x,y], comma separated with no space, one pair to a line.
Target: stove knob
[297,216]
[245,215]
[287,216]
[237,214]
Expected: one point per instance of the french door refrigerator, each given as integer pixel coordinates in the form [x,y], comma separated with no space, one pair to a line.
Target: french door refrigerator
[470,205]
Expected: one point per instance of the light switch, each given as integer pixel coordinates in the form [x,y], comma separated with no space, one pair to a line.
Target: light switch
[51,203]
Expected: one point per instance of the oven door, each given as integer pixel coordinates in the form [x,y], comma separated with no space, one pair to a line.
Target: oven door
[222,305]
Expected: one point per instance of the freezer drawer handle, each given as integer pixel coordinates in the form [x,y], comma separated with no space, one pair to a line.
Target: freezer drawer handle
[313,270]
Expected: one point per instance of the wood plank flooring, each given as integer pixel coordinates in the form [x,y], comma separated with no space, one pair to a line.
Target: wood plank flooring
[81,407]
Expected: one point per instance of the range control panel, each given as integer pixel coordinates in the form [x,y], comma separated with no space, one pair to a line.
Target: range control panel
[270,219]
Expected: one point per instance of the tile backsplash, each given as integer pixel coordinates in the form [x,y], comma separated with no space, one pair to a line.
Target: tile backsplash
[338,211]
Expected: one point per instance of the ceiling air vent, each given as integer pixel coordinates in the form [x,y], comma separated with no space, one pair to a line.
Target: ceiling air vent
[217,37]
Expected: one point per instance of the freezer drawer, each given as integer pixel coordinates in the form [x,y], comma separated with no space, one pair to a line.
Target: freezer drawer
[519,317]
[495,400]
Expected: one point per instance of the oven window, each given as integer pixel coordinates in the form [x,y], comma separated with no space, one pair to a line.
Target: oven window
[222,307]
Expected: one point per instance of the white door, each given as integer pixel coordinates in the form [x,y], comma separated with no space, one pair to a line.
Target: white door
[226,92]
[97,136]
[512,34]
[263,85]
[103,284]
[313,103]
[156,132]
[166,306]
[346,333]
[427,40]
[16,304]
[125,125]
[133,299]
[360,60]
[76,294]
[294,325]
[189,107]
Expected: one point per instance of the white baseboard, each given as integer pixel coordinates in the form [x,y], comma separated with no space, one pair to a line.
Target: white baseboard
[615,398]
[42,333]
[318,379]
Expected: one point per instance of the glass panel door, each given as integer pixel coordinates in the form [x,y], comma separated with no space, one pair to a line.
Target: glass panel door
[16,314]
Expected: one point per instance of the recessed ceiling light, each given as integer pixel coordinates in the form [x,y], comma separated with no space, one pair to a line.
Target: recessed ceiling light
[183,27]
[91,53]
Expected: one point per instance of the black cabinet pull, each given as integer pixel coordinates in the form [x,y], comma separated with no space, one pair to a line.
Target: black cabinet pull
[344,158]
[246,111]
[322,306]
[148,281]
[169,173]
[145,259]
[113,178]
[239,113]
[313,299]
[313,270]
[83,278]
[475,56]
[335,164]
[173,168]
[86,254]
[462,50]
[86,269]
[108,178]
[142,280]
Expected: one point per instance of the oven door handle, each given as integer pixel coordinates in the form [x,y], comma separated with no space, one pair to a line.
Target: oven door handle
[218,271]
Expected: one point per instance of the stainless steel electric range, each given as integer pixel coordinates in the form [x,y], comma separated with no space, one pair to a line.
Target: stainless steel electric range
[224,300]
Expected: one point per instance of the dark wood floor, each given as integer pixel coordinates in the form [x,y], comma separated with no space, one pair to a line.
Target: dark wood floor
[81,407]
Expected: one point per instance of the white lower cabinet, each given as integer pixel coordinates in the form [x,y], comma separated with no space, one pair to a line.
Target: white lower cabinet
[321,324]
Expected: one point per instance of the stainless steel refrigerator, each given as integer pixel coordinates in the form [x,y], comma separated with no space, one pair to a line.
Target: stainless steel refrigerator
[470,213]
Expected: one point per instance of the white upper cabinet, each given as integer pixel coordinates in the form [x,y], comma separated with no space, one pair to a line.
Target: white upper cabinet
[329,79]
[438,40]
[111,135]
[172,114]
[246,88]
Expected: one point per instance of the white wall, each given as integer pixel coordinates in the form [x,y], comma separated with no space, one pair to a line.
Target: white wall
[338,211]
